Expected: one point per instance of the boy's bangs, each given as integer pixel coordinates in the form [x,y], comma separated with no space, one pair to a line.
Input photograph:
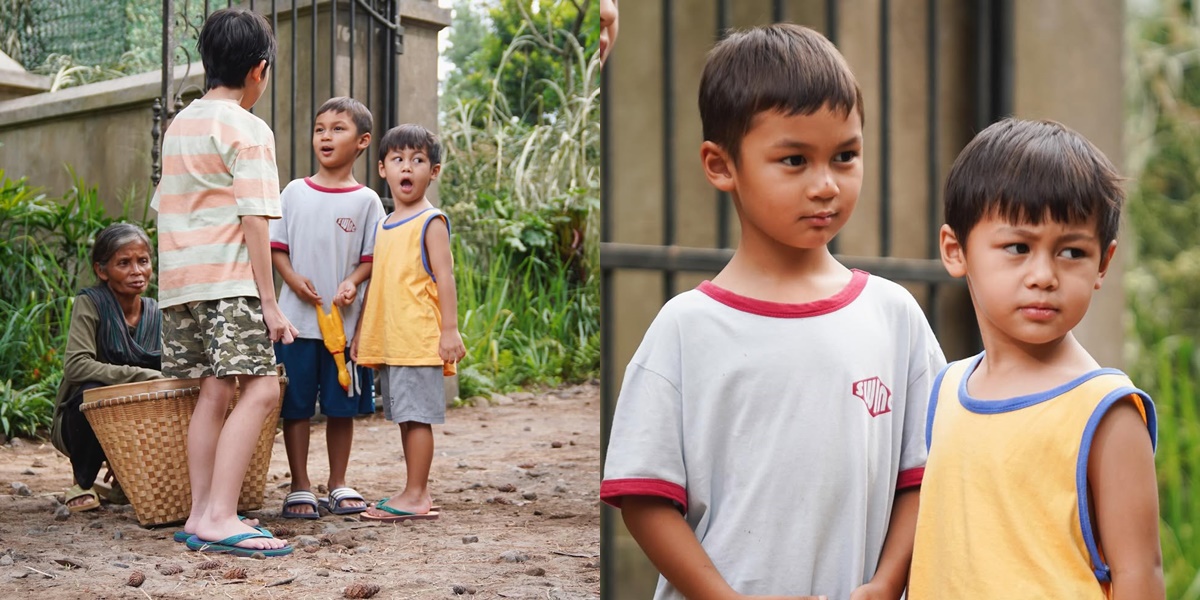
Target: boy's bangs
[1031,172]
[410,137]
[781,68]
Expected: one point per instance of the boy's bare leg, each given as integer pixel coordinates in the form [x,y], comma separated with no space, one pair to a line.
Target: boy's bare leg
[339,436]
[203,433]
[234,448]
[417,439]
[295,441]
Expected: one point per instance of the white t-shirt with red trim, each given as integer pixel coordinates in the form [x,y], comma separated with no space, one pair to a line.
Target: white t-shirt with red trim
[781,431]
[327,233]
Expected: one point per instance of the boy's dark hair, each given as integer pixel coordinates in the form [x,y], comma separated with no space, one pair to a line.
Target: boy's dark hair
[232,42]
[411,135]
[1027,171]
[360,115]
[783,67]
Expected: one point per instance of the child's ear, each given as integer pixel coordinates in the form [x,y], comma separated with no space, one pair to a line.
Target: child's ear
[365,140]
[382,171]
[954,256]
[1106,262]
[718,166]
[434,171]
[258,72]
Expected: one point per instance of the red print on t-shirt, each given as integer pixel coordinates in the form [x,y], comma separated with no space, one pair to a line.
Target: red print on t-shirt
[874,394]
[347,224]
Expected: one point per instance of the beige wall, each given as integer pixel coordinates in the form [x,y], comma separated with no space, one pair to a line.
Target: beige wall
[103,130]
[1067,66]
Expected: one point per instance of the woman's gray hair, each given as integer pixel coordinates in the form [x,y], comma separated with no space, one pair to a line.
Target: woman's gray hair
[113,238]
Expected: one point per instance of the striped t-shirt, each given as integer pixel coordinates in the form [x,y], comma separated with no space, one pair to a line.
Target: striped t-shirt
[218,166]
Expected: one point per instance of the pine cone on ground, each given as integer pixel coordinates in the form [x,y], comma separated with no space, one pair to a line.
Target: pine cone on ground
[136,579]
[170,569]
[360,590]
[208,565]
[236,573]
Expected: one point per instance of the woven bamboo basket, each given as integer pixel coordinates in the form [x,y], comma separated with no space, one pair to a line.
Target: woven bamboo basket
[143,429]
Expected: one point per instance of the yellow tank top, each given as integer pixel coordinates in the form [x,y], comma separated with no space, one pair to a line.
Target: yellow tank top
[1004,502]
[402,321]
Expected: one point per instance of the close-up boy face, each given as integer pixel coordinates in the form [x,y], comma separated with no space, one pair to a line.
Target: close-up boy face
[336,139]
[408,172]
[1031,283]
[797,178]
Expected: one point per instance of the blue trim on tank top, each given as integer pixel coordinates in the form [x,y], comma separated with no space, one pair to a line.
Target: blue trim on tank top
[991,407]
[1099,568]
[424,250]
[387,225]
[931,410]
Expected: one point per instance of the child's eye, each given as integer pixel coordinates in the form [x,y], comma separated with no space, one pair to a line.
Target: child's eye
[793,161]
[1017,248]
[846,156]
[1073,253]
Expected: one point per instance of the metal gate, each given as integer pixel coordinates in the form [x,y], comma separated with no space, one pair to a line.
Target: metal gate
[376,41]
[989,39]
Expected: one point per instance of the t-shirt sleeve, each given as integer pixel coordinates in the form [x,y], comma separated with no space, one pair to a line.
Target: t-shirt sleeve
[278,227]
[374,214]
[256,181]
[645,444]
[927,361]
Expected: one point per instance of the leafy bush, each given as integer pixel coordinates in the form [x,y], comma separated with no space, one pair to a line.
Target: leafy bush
[1163,162]
[524,197]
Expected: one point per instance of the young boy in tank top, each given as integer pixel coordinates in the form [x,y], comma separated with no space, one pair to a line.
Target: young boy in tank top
[1040,481]
[409,327]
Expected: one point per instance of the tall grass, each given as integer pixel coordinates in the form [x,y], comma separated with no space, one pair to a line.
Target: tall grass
[1168,370]
[525,202]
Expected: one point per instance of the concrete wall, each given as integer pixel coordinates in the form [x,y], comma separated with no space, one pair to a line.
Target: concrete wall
[102,130]
[1067,66]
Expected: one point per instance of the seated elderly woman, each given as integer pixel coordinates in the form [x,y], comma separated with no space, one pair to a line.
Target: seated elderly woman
[114,338]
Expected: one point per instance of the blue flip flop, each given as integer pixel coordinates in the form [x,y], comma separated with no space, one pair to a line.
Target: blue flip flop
[227,546]
[396,516]
[182,536]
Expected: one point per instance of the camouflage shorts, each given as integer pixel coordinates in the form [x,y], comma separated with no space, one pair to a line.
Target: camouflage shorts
[216,337]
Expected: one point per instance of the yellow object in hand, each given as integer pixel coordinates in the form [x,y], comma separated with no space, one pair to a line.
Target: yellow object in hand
[335,340]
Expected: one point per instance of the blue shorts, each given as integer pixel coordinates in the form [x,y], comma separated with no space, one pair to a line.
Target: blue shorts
[312,374]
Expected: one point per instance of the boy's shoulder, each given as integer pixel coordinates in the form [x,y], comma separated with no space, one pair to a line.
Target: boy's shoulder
[240,125]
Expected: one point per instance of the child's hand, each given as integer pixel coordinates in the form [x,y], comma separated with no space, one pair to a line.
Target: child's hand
[279,328]
[346,293]
[305,289]
[450,346]
[354,349]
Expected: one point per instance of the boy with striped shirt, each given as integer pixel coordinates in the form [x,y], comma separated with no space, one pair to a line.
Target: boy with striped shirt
[220,186]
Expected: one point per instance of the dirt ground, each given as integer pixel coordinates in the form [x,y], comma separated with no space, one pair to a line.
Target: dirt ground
[517,480]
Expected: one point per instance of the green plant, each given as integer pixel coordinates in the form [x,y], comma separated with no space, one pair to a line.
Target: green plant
[523,198]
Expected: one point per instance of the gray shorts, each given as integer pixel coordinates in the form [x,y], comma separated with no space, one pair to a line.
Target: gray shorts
[216,337]
[413,394]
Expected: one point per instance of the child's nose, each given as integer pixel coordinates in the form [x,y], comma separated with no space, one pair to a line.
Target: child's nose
[1041,274]
[823,186]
